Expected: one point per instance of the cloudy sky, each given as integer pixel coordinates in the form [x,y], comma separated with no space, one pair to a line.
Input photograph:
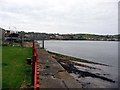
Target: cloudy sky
[60,16]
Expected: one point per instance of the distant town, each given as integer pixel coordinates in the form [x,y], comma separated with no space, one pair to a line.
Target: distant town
[28,36]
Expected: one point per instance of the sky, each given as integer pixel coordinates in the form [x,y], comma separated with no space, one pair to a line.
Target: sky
[60,16]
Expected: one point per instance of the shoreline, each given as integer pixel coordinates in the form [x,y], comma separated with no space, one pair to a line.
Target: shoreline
[71,58]
[81,40]
[82,69]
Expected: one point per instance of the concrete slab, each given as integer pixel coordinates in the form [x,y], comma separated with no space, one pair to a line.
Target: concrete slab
[52,74]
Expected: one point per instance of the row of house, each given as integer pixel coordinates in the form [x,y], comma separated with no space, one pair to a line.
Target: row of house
[17,36]
[28,36]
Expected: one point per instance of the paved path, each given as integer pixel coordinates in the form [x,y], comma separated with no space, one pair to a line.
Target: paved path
[52,74]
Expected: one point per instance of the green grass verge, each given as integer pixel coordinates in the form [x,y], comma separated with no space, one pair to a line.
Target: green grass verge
[0,67]
[14,67]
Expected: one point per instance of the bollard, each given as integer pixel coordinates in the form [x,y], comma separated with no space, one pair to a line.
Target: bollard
[28,61]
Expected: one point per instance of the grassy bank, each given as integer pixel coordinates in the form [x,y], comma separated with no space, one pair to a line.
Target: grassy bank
[14,67]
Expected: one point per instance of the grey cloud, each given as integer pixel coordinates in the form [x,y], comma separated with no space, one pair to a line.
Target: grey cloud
[75,16]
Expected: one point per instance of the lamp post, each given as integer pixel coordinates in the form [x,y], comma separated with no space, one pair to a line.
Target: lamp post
[43,42]
[22,38]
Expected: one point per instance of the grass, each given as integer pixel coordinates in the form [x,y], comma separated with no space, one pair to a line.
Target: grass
[0,67]
[14,67]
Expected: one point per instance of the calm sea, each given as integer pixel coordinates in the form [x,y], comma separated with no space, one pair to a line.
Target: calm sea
[98,51]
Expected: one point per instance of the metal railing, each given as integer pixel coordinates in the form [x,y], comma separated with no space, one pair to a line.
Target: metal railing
[35,70]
